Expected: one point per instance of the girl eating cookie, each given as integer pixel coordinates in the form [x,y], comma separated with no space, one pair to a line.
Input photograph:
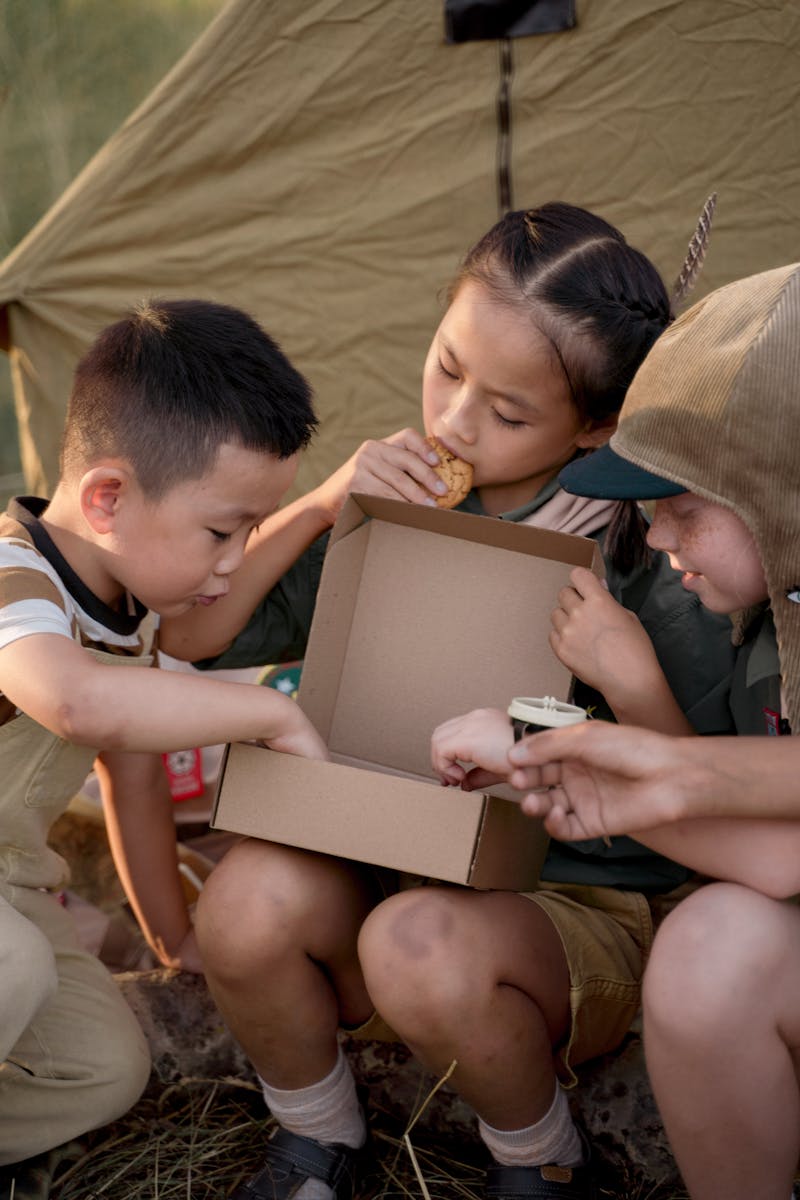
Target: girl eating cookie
[547,321]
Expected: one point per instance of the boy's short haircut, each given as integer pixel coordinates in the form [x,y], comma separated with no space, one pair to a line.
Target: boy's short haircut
[173,380]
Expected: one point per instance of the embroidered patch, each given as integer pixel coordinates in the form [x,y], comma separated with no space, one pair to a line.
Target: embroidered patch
[772,720]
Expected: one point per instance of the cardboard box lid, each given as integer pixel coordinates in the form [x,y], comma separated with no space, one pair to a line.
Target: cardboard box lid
[423,614]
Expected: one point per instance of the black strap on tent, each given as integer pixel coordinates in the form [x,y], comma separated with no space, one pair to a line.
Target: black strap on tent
[501,20]
[477,20]
[504,128]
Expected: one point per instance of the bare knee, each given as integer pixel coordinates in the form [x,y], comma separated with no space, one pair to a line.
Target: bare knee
[711,961]
[416,961]
[265,901]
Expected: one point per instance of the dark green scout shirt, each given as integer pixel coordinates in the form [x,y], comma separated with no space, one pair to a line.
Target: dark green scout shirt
[756,689]
[693,647]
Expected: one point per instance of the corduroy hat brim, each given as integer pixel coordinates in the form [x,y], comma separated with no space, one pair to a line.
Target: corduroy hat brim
[716,406]
[605,475]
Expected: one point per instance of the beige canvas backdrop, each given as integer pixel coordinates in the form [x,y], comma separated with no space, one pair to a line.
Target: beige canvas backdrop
[325,170]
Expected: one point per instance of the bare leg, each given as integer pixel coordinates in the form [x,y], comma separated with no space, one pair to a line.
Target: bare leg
[722,1038]
[278,929]
[480,977]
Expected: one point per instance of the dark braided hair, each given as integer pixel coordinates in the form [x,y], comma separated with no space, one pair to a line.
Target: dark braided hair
[600,302]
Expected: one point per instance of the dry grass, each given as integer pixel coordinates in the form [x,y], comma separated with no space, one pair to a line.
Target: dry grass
[199,1138]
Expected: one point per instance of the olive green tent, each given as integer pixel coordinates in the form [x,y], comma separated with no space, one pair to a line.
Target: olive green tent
[325,165]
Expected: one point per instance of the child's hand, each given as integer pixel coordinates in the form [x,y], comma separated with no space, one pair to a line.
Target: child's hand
[186,957]
[399,467]
[601,779]
[483,737]
[601,642]
[299,738]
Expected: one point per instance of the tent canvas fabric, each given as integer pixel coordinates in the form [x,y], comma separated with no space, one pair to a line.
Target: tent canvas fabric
[325,166]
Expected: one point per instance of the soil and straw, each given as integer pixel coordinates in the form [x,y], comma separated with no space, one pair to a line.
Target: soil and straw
[198,1138]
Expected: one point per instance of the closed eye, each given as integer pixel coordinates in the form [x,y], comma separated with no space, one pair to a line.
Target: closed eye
[501,420]
[219,536]
[444,370]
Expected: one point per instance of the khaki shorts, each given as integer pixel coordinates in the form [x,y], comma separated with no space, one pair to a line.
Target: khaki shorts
[607,935]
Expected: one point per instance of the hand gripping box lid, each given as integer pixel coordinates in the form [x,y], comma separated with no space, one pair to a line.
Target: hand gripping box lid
[422,614]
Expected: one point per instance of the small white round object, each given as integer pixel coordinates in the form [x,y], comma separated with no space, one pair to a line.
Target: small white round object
[532,714]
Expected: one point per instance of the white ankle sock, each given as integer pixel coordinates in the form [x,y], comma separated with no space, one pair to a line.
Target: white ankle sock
[328,1111]
[554,1139]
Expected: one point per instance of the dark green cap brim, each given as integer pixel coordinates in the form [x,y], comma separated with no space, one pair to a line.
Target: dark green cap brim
[605,476]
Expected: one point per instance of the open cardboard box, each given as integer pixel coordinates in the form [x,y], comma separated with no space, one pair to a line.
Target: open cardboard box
[421,615]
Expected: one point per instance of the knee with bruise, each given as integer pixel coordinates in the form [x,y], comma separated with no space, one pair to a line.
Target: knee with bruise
[405,956]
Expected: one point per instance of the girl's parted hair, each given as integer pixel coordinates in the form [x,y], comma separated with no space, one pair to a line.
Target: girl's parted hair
[600,302]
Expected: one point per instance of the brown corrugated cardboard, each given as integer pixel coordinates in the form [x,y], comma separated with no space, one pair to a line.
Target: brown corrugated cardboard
[422,614]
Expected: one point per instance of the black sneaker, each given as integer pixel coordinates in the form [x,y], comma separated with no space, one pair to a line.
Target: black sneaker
[543,1183]
[540,1183]
[292,1159]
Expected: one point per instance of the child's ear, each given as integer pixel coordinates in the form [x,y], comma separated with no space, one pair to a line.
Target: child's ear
[102,491]
[596,433]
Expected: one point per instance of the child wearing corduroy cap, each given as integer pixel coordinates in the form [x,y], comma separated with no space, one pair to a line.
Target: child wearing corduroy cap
[710,430]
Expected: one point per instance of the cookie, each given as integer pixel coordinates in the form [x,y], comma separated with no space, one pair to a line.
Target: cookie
[455,472]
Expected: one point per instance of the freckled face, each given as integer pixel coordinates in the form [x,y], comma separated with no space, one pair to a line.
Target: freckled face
[495,394]
[714,550]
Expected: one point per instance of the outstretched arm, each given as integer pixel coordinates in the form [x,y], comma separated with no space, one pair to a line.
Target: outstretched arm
[725,806]
[108,707]
[141,832]
[399,466]
[605,646]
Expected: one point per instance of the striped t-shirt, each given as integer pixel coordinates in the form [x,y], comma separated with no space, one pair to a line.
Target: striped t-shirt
[40,593]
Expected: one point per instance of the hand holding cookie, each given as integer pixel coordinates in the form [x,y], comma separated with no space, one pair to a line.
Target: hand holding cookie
[401,467]
[455,472]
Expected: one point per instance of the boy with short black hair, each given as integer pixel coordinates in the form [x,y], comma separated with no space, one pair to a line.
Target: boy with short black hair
[182,433]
